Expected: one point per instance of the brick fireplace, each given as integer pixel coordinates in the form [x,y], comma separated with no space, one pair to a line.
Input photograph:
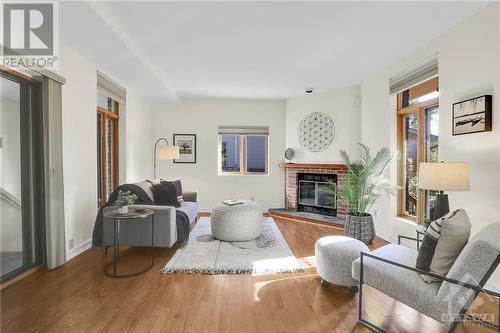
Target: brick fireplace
[299,173]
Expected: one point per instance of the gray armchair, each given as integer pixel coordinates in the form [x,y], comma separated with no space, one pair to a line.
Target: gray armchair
[134,233]
[391,270]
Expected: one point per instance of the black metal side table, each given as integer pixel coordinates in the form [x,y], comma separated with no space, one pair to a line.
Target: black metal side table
[117,219]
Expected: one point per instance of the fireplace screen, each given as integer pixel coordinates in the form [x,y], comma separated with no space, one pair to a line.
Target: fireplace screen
[310,194]
[325,200]
[309,197]
[307,193]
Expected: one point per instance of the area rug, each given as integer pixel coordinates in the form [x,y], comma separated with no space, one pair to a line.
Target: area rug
[206,255]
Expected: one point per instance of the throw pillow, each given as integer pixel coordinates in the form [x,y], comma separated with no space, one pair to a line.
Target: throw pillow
[154,182]
[165,194]
[178,188]
[454,235]
[428,246]
[455,232]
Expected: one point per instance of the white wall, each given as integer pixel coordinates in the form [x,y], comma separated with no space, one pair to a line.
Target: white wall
[79,96]
[469,65]
[138,141]
[202,117]
[80,143]
[340,106]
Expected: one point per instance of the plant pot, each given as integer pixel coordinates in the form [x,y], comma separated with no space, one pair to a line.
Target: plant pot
[360,227]
[123,210]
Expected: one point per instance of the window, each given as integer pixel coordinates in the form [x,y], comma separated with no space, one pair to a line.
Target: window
[243,151]
[107,146]
[110,98]
[418,133]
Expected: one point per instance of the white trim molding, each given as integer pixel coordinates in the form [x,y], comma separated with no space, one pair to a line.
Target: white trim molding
[77,250]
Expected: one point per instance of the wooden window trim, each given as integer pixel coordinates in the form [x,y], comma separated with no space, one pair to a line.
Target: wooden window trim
[420,110]
[114,117]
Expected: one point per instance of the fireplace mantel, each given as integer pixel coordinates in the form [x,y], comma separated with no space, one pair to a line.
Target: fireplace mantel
[337,166]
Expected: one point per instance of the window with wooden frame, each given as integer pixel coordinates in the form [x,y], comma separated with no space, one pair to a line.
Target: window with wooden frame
[243,151]
[108,115]
[417,137]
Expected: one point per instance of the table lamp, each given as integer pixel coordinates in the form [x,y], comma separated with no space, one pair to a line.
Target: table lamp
[449,176]
[165,152]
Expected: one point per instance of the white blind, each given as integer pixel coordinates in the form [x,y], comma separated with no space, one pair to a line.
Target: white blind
[244,130]
[110,88]
[414,75]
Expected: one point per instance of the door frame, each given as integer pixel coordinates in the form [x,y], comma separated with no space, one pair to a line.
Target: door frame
[32,173]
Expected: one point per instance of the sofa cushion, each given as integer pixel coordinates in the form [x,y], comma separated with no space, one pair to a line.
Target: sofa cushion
[401,284]
[165,194]
[190,208]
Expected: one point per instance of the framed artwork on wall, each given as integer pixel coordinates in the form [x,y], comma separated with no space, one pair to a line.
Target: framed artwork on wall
[187,148]
[472,115]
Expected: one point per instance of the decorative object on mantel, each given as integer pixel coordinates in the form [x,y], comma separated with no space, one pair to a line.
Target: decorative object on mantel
[472,115]
[443,177]
[289,154]
[361,190]
[125,198]
[165,152]
[187,148]
[316,132]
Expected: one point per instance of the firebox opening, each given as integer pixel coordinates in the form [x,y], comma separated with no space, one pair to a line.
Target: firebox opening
[310,199]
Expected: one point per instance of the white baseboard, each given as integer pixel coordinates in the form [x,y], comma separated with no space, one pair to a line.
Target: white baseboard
[78,249]
[389,239]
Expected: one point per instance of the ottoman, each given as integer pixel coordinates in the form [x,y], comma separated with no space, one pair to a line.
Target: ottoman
[334,256]
[236,223]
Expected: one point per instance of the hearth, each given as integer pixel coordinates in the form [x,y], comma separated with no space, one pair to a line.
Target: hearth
[310,198]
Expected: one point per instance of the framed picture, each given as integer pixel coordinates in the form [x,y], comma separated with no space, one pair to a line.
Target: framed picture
[187,148]
[472,115]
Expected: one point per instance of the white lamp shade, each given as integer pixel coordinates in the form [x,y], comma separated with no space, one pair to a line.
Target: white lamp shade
[168,152]
[444,176]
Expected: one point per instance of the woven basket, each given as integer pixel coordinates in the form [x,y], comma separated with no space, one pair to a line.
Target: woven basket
[360,227]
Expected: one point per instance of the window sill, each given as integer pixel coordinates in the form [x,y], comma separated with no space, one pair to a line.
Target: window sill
[407,219]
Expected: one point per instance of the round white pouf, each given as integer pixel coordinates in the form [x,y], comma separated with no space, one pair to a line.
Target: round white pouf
[334,256]
[237,223]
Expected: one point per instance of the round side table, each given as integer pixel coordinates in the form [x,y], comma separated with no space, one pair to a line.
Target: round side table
[117,219]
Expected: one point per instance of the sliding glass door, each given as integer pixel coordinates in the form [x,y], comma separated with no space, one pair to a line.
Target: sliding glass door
[21,218]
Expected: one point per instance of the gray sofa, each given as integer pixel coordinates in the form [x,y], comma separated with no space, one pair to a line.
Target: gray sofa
[165,228]
[391,270]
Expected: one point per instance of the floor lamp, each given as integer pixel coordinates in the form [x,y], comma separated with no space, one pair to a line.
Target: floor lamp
[443,177]
[165,152]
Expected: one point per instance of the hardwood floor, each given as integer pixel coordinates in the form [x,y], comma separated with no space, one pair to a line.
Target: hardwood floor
[78,297]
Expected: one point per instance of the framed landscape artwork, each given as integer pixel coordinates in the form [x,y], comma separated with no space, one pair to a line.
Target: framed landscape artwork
[472,115]
[187,148]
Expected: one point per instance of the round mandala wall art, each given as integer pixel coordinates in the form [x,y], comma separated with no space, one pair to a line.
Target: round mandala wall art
[316,132]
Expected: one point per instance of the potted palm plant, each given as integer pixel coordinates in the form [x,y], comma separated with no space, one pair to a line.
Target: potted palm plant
[362,186]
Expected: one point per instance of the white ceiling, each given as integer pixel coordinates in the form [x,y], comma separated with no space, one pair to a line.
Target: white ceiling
[256,50]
